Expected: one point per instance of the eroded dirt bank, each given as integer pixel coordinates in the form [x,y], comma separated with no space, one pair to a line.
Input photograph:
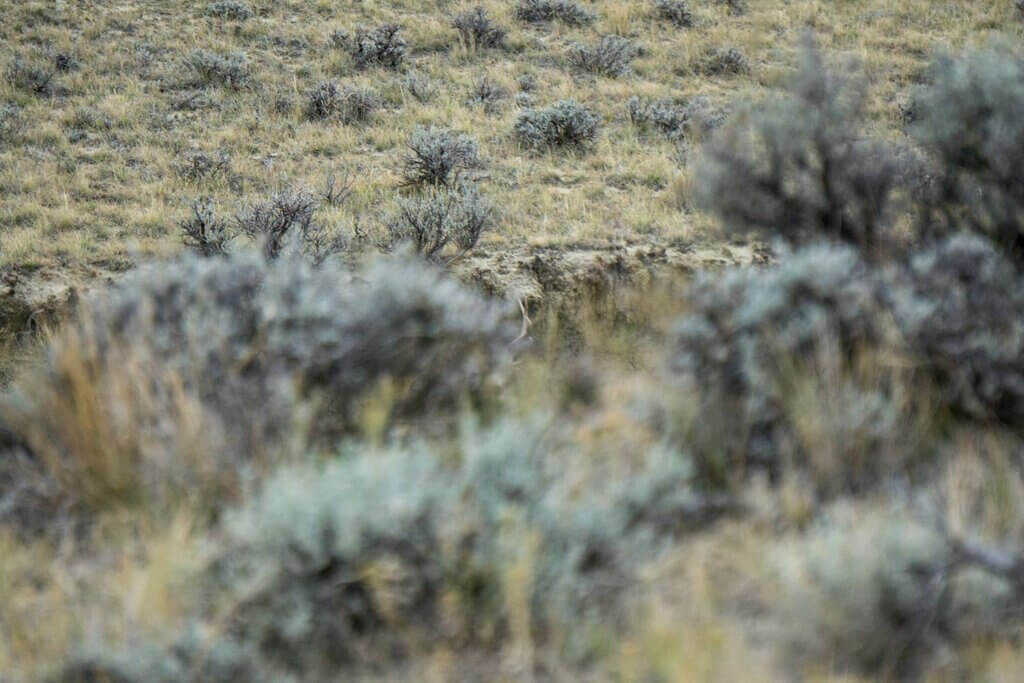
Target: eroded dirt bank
[32,298]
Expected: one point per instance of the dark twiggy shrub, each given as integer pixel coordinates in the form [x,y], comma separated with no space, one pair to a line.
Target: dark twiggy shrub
[274,221]
[565,11]
[799,166]
[229,9]
[438,157]
[969,119]
[199,166]
[677,12]
[381,46]
[563,124]
[204,232]
[487,94]
[610,57]
[65,63]
[337,188]
[227,70]
[443,216]
[476,29]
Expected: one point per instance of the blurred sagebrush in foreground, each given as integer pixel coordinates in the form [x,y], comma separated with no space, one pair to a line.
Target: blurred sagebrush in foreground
[372,475]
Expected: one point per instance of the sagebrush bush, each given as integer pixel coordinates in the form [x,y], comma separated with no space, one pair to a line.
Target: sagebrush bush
[691,118]
[800,167]
[441,217]
[961,305]
[381,46]
[476,29]
[802,170]
[677,12]
[743,341]
[312,545]
[227,70]
[347,104]
[524,100]
[565,11]
[438,157]
[229,9]
[754,340]
[338,567]
[563,124]
[273,220]
[204,232]
[878,594]
[34,76]
[422,88]
[170,383]
[322,101]
[723,61]
[285,221]
[968,118]
[610,56]
[12,122]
